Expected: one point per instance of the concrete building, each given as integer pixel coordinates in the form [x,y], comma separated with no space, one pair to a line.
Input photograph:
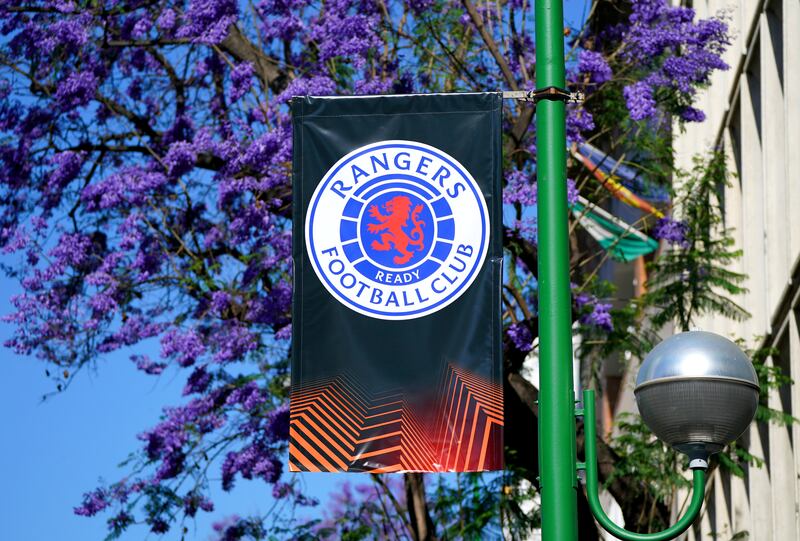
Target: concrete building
[754,112]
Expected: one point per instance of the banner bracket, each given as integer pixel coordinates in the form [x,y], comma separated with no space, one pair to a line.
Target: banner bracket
[547,93]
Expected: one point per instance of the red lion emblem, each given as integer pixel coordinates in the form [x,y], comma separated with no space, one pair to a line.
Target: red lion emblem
[399,209]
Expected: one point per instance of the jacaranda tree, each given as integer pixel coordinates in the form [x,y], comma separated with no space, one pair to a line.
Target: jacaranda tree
[145,172]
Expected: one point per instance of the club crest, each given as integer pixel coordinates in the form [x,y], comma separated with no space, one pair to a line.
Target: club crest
[397,230]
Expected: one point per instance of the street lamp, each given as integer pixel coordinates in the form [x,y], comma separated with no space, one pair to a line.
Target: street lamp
[697,391]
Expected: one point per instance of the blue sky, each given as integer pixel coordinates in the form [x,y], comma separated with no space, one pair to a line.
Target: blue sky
[53,451]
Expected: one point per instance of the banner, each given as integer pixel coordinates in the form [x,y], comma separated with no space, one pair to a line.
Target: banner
[396,354]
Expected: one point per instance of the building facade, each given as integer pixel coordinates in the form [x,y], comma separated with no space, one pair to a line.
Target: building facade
[753,112]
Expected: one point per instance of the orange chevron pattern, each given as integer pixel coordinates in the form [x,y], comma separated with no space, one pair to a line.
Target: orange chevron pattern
[469,429]
[336,425]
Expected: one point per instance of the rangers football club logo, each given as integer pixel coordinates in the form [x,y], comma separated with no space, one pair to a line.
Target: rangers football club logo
[397,230]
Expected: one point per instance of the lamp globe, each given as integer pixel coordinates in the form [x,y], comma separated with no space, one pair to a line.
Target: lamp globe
[697,391]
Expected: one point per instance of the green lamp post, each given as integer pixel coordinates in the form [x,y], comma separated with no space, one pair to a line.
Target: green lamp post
[713,381]
[558,480]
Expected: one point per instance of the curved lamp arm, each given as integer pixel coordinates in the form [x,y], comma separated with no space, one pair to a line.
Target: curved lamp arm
[698,489]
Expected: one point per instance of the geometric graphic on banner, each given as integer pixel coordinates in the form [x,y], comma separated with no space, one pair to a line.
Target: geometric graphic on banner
[397,230]
[337,426]
[471,418]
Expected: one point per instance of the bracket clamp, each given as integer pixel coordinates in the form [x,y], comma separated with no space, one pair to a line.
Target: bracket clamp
[552,93]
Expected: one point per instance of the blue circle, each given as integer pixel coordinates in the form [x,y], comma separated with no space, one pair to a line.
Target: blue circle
[397,229]
[472,188]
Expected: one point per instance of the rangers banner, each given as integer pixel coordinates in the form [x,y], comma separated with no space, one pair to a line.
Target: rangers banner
[396,361]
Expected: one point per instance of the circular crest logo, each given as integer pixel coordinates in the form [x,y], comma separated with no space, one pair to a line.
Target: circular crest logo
[397,230]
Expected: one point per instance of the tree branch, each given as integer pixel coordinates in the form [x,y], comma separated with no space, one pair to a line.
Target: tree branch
[139,122]
[421,524]
[490,44]
[242,49]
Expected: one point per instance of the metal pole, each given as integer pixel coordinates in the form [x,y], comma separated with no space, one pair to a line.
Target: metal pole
[593,488]
[556,396]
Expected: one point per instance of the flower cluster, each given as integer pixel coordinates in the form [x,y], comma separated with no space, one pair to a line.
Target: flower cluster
[671,230]
[520,336]
[679,53]
[594,65]
[593,312]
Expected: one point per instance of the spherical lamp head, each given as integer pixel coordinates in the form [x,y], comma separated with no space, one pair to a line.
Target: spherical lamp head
[697,391]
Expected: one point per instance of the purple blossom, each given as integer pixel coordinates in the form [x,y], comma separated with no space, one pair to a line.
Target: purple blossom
[579,122]
[672,231]
[373,86]
[419,6]
[281,20]
[528,228]
[241,80]
[232,341]
[129,186]
[582,299]
[165,442]
[198,381]
[647,11]
[172,464]
[520,188]
[679,53]
[255,460]
[286,27]
[194,501]
[220,300]
[316,85]
[93,503]
[131,332]
[148,366]
[208,21]
[72,249]
[640,101]
[63,6]
[180,158]
[249,396]
[273,308]
[185,347]
[142,27]
[281,490]
[284,333]
[213,236]
[104,301]
[278,424]
[599,317]
[67,166]
[14,239]
[70,34]
[690,114]
[130,231]
[520,335]
[595,66]
[167,19]
[341,34]
[572,192]
[76,90]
